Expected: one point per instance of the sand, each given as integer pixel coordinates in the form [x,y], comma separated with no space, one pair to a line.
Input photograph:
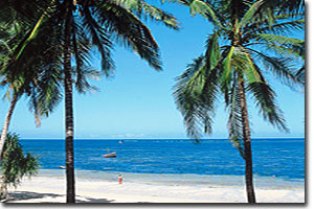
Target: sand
[50,188]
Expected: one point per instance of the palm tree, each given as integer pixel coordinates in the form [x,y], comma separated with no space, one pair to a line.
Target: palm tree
[44,95]
[38,76]
[235,64]
[15,164]
[40,85]
[80,25]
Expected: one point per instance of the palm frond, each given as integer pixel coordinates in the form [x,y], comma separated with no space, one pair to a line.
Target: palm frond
[203,8]
[271,38]
[281,45]
[282,28]
[265,101]
[186,92]
[82,83]
[257,9]
[101,39]
[145,10]
[29,37]
[227,67]
[235,126]
[279,67]
[250,69]
[195,93]
[130,31]
[81,52]
[48,94]
[212,53]
[293,7]
[300,75]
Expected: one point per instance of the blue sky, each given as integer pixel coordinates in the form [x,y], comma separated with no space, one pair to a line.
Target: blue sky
[137,102]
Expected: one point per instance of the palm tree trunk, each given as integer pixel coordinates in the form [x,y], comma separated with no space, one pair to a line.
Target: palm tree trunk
[69,108]
[247,144]
[3,189]
[7,121]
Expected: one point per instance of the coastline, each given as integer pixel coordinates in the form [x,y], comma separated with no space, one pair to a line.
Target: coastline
[102,187]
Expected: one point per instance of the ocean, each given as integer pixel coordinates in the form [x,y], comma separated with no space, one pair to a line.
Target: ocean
[279,158]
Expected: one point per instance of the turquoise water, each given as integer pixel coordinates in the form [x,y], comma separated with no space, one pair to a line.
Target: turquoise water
[281,158]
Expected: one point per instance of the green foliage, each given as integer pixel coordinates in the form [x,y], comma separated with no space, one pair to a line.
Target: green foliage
[252,39]
[147,11]
[15,164]
[197,88]
[33,62]
[98,24]
[235,125]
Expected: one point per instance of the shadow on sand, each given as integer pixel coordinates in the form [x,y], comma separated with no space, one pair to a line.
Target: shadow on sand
[25,195]
[93,200]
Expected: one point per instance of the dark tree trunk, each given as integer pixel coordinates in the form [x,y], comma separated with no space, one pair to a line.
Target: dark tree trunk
[5,129]
[247,144]
[69,131]
[3,189]
[7,121]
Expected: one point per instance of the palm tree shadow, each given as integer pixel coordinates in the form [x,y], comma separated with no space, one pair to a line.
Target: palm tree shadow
[94,200]
[25,195]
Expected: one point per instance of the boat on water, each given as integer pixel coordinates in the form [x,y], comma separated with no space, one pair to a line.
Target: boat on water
[110,155]
[62,167]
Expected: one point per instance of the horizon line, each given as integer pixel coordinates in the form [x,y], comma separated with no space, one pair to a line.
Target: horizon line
[159,138]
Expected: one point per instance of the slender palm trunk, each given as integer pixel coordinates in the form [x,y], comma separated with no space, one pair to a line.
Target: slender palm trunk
[7,121]
[247,144]
[69,108]
[3,185]
[3,189]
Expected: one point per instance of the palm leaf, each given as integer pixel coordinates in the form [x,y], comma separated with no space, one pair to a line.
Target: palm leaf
[195,93]
[265,101]
[279,67]
[101,39]
[252,73]
[145,10]
[213,50]
[278,28]
[278,39]
[130,31]
[235,126]
[227,66]
[250,16]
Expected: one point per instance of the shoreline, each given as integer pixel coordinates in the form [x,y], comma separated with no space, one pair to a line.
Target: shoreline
[102,187]
[266,182]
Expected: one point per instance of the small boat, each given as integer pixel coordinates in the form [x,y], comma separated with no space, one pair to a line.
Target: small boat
[62,167]
[110,155]
[121,142]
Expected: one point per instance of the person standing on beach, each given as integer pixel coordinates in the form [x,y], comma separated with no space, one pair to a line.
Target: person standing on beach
[120,179]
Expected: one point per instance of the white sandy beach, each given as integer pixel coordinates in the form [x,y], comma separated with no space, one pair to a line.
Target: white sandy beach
[50,188]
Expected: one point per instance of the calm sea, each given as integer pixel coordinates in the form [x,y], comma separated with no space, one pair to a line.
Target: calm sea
[283,158]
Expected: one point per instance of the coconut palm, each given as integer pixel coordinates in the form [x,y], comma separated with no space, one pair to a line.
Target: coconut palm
[235,64]
[98,24]
[40,84]
[38,76]
[43,96]
[15,164]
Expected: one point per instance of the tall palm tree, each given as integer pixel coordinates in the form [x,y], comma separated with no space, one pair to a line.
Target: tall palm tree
[38,76]
[235,64]
[40,85]
[80,25]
